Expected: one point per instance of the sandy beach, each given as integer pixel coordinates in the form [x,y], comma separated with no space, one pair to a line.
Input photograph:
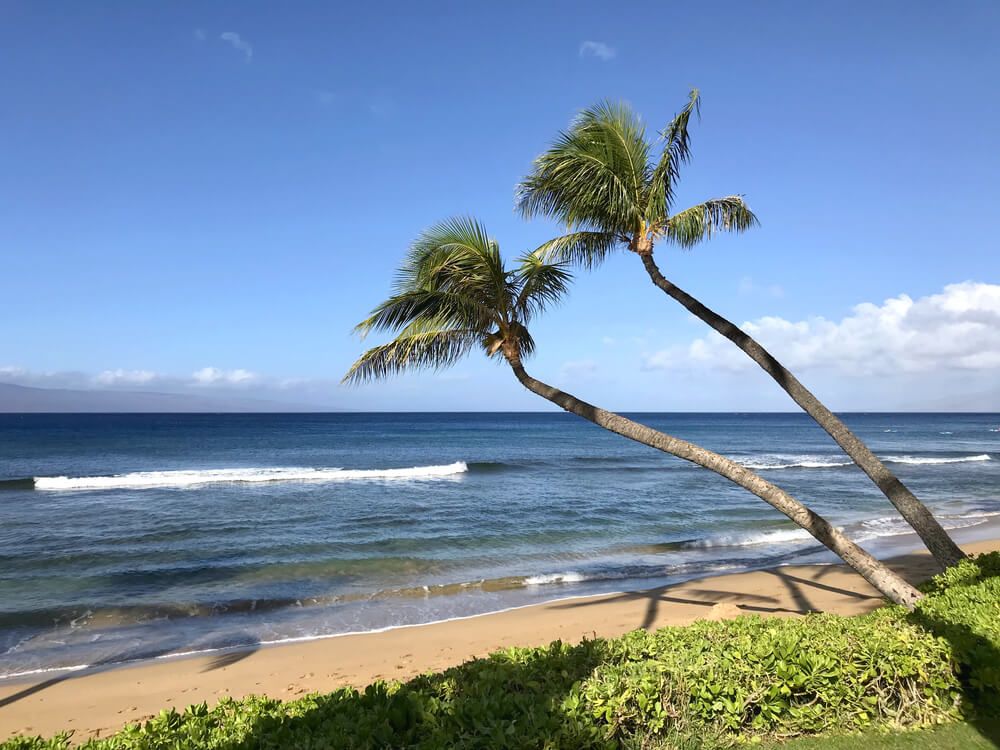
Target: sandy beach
[98,702]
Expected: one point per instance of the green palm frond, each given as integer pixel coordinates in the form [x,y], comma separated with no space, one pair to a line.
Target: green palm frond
[542,284]
[692,225]
[600,180]
[593,174]
[432,348]
[676,152]
[458,246]
[446,307]
[457,253]
[453,293]
[586,249]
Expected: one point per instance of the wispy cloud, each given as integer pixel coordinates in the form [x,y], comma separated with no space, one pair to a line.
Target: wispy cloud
[326,98]
[600,50]
[381,104]
[581,369]
[200,35]
[748,286]
[238,43]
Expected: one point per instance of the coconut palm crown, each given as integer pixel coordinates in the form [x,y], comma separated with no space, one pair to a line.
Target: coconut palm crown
[453,294]
[603,179]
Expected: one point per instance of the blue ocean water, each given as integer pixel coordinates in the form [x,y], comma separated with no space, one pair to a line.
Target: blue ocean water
[133,536]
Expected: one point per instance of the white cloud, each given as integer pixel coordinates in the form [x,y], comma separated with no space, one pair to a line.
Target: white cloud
[200,35]
[958,329]
[608,340]
[215,376]
[600,50]
[125,377]
[238,43]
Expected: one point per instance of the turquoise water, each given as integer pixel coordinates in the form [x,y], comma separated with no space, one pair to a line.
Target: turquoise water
[131,536]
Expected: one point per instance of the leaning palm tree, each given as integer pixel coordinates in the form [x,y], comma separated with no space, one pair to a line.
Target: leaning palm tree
[454,294]
[602,179]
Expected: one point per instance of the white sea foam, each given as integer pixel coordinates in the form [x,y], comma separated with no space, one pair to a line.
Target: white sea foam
[568,577]
[897,526]
[872,528]
[794,462]
[922,461]
[776,536]
[778,461]
[192,478]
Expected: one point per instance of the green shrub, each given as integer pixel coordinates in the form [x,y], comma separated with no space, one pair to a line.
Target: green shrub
[710,684]
[963,609]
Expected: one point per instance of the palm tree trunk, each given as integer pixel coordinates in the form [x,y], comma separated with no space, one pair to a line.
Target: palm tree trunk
[876,573]
[941,546]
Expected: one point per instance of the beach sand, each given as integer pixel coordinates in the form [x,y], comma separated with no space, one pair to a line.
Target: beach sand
[100,702]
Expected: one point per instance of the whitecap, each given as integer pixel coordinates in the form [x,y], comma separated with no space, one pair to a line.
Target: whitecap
[192,478]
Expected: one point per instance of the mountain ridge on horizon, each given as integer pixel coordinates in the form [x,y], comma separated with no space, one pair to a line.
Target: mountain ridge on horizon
[23,399]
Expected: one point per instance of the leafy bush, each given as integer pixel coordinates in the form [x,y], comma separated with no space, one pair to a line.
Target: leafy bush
[963,609]
[709,684]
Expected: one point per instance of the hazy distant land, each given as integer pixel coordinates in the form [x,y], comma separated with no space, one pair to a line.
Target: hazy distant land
[16,399]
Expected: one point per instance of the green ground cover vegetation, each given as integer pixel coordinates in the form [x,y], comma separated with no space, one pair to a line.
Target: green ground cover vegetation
[751,680]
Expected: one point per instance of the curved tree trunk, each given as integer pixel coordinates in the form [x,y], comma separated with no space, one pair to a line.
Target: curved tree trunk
[876,573]
[941,546]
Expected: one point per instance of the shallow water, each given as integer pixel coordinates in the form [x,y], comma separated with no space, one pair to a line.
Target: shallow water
[129,536]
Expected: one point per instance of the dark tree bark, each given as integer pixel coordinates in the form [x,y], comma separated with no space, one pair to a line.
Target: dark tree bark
[941,546]
[876,573]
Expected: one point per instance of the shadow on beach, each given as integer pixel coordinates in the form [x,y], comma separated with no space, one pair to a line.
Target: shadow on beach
[229,654]
[915,568]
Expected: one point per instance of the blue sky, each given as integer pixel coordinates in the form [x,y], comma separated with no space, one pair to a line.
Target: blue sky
[202,196]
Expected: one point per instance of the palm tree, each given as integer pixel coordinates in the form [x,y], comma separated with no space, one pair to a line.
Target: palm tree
[602,179]
[454,294]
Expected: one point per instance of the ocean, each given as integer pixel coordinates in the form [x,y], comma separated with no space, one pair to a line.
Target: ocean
[126,537]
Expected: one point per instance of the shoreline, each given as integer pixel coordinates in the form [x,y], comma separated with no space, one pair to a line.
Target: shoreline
[893,545]
[100,700]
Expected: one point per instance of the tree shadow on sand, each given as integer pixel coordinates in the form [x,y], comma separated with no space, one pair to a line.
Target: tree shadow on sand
[230,654]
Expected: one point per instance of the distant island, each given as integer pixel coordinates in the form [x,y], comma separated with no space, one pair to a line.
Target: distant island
[20,399]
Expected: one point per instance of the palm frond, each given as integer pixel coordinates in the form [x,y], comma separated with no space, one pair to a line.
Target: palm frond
[676,151]
[692,225]
[456,246]
[423,347]
[451,308]
[593,174]
[586,249]
[542,284]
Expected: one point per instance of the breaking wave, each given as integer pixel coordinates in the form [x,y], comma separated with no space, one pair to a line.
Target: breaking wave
[769,463]
[750,539]
[193,478]
[921,461]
